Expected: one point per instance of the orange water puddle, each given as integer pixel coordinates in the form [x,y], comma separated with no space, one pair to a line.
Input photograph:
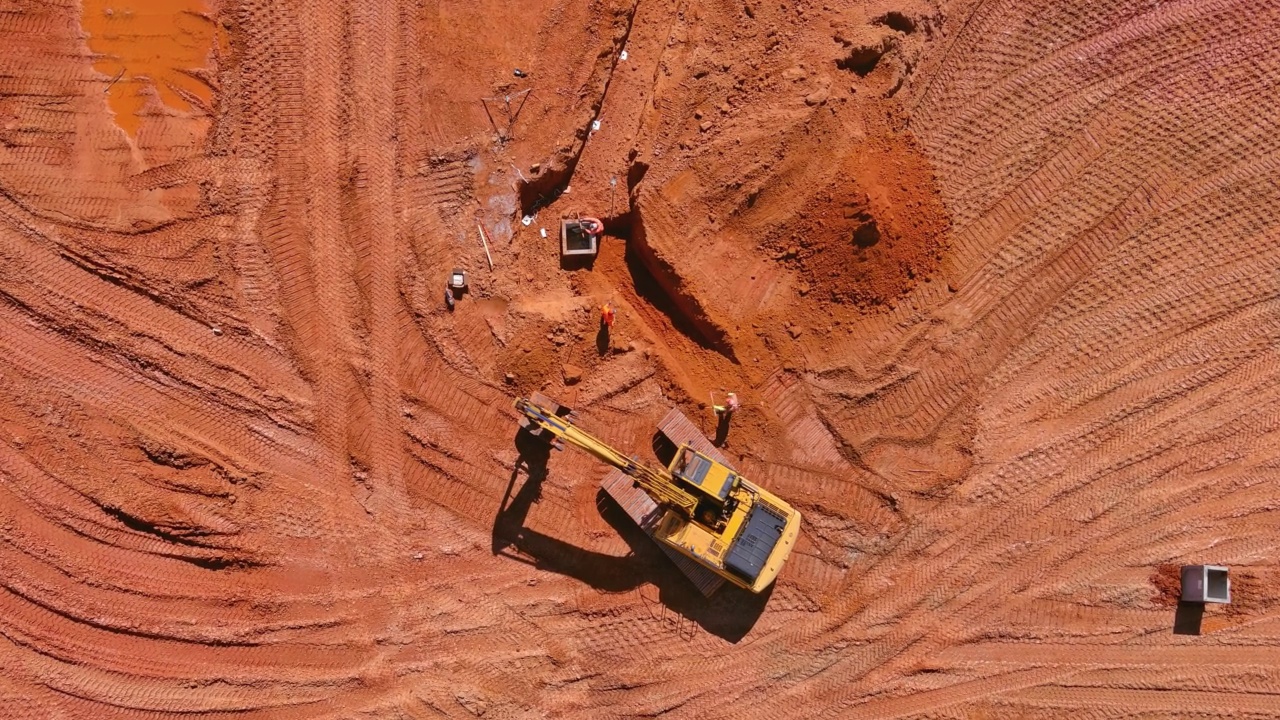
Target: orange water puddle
[151,44]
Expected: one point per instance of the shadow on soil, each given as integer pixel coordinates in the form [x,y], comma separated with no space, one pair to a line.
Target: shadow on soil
[729,614]
[577,262]
[659,285]
[722,430]
[602,340]
[1187,618]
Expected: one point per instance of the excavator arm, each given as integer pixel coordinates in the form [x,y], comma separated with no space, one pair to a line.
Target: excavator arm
[658,483]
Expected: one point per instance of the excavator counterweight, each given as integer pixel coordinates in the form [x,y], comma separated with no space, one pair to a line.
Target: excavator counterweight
[709,513]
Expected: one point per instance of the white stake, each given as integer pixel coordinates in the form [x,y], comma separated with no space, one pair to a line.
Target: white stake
[485,243]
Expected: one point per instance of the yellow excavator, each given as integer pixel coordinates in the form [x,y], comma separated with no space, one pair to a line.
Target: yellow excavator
[710,513]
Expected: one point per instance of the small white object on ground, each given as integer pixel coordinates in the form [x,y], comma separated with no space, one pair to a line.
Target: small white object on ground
[527,220]
[623,56]
[595,125]
[485,243]
[544,232]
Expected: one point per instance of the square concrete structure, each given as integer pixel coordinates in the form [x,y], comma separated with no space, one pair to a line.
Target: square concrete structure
[1205,584]
[575,241]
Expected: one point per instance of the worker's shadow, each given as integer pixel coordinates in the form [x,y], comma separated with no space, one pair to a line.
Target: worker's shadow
[729,614]
[722,430]
[602,340]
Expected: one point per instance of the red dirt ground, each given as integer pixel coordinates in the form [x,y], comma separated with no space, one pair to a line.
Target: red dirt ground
[996,281]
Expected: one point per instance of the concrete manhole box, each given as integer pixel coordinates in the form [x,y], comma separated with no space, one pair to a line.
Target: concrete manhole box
[1205,584]
[576,238]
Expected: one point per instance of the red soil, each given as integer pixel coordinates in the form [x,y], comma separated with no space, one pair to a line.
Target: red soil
[252,467]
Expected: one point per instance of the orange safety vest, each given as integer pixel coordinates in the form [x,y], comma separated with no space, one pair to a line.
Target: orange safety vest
[606,315]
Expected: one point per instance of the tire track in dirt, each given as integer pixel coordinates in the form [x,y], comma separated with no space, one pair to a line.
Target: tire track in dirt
[46,285]
[955,694]
[286,224]
[329,335]
[1165,702]
[1037,566]
[988,474]
[263,118]
[219,431]
[914,402]
[375,235]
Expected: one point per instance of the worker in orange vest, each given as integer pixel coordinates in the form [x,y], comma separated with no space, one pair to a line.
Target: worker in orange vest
[606,316]
[725,412]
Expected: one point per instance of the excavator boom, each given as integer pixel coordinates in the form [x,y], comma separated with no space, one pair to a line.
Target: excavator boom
[658,483]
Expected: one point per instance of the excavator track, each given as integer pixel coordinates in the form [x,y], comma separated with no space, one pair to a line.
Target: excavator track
[646,513]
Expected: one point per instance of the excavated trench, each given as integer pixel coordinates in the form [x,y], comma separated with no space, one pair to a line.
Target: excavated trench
[655,281]
[661,285]
[548,185]
[552,179]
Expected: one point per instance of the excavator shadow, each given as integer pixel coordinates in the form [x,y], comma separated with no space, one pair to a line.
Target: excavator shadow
[729,614]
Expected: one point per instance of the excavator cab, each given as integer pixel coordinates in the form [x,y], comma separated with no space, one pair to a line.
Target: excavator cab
[711,482]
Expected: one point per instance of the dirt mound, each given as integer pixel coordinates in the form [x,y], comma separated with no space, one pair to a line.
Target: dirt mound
[874,234]
[1167,581]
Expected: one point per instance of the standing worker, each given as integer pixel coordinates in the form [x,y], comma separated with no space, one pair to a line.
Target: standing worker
[723,414]
[726,411]
[603,335]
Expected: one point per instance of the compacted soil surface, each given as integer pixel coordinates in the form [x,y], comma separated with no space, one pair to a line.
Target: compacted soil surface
[997,282]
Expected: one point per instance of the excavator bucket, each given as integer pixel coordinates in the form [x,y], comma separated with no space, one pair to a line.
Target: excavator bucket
[555,409]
